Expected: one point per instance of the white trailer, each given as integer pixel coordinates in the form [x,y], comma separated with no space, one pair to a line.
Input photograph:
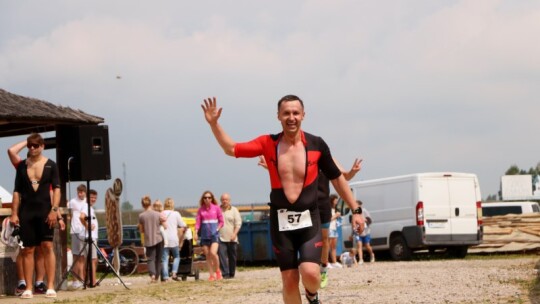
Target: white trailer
[420,211]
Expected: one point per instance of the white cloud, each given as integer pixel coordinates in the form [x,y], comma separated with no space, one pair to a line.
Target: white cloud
[433,85]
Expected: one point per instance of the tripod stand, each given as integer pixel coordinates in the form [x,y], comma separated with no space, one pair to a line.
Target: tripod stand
[89,272]
[88,243]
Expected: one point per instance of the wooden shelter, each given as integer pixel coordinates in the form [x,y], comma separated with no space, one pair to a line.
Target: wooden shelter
[20,115]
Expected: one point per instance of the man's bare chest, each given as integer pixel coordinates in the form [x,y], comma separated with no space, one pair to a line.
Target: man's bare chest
[292,161]
[35,170]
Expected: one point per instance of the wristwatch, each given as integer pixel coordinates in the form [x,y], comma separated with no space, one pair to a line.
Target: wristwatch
[357,210]
[54,209]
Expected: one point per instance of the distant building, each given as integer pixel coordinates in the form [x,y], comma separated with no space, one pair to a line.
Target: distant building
[517,187]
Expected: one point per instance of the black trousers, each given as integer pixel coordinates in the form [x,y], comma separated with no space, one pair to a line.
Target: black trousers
[227,258]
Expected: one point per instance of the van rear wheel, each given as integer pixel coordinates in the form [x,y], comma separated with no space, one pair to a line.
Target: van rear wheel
[399,251]
[457,251]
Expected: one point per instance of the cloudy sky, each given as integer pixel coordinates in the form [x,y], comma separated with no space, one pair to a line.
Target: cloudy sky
[408,86]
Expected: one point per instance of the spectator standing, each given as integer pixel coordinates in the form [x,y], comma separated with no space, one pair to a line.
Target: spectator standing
[208,222]
[149,223]
[332,232]
[175,228]
[228,237]
[76,205]
[364,238]
[32,210]
[39,286]
[94,232]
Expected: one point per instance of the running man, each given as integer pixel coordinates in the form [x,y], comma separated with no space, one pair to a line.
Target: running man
[294,158]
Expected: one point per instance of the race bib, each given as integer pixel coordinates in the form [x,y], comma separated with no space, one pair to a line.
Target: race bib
[292,220]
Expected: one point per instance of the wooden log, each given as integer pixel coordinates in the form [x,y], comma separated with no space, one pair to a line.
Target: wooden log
[529,231]
[497,230]
[8,280]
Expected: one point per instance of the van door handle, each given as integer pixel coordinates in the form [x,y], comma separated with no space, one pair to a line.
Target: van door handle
[457,211]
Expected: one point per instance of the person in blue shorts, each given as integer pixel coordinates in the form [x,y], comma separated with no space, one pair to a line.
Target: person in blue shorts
[364,238]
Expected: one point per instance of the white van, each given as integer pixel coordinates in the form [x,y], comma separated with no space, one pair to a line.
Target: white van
[420,211]
[508,207]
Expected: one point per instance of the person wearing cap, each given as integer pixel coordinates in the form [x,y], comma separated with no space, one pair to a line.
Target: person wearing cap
[32,210]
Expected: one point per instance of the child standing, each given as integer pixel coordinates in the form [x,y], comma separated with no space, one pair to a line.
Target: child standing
[158,206]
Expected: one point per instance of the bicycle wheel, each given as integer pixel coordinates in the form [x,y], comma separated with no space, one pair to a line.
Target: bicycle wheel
[129,260]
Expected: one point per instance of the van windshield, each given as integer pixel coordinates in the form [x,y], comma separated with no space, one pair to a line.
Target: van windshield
[501,210]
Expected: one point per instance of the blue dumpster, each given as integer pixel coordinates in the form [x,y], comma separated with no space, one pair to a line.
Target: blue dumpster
[255,244]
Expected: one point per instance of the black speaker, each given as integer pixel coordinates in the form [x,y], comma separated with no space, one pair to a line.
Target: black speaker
[83,153]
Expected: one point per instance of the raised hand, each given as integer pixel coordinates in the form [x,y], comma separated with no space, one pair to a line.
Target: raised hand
[211,111]
[262,162]
[357,166]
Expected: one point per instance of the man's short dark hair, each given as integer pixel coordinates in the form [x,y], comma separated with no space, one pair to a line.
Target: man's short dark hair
[93,192]
[289,98]
[35,138]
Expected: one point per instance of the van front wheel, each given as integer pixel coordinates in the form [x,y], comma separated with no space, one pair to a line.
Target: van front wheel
[399,251]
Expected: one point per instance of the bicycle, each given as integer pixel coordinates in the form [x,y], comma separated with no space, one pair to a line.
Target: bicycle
[129,260]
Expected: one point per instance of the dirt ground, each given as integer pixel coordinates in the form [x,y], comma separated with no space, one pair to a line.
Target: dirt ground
[472,280]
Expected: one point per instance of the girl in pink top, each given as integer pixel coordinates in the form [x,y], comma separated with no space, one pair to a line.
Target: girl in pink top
[207,224]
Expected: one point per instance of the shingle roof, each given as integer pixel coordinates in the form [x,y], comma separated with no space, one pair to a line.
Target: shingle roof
[22,115]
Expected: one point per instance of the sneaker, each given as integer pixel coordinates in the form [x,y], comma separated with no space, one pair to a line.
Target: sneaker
[20,289]
[315,300]
[324,279]
[76,285]
[329,266]
[40,288]
[218,275]
[372,258]
[337,265]
[360,262]
[211,278]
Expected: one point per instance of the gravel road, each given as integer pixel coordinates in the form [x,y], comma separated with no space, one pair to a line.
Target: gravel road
[472,280]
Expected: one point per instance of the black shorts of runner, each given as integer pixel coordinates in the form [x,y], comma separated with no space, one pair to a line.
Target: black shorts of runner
[296,246]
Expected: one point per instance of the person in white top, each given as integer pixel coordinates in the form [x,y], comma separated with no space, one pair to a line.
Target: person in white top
[175,228]
[75,205]
[94,232]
